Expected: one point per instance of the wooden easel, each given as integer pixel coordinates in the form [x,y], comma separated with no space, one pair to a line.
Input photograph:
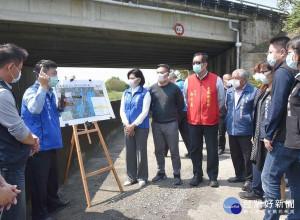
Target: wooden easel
[75,140]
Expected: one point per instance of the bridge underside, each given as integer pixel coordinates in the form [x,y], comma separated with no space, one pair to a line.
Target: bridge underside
[88,47]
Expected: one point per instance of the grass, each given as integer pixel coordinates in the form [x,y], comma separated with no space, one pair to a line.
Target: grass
[114,95]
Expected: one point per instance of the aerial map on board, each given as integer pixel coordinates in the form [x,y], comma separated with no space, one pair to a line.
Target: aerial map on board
[81,101]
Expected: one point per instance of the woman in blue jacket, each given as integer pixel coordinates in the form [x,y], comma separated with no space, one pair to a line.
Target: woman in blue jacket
[134,112]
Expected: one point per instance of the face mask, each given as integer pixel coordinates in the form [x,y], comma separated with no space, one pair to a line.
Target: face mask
[228,83]
[264,79]
[197,68]
[161,77]
[236,83]
[268,73]
[15,79]
[271,59]
[131,83]
[53,82]
[256,77]
[290,62]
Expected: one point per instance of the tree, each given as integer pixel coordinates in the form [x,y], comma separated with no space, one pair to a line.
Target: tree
[292,23]
[115,84]
[183,74]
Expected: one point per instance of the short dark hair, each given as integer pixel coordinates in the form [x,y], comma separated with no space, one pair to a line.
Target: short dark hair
[166,66]
[295,45]
[11,52]
[46,64]
[138,74]
[204,58]
[279,42]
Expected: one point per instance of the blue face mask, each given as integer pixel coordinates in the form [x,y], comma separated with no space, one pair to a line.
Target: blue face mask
[289,61]
[271,59]
[53,82]
[197,68]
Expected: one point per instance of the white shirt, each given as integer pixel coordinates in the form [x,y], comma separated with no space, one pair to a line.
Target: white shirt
[146,105]
[220,88]
[237,95]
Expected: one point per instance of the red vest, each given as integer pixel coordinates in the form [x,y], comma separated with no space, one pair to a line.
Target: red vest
[203,107]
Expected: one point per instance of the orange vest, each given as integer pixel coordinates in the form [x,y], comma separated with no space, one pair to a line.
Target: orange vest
[203,107]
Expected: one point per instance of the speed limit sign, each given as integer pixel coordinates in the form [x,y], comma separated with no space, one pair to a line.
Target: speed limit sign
[179,29]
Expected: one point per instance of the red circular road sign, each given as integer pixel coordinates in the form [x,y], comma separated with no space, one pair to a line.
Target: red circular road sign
[179,29]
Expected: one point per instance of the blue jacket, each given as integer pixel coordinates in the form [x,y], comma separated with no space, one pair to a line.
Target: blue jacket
[46,124]
[239,120]
[180,84]
[134,106]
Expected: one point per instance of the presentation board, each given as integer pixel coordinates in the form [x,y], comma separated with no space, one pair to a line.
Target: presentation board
[81,101]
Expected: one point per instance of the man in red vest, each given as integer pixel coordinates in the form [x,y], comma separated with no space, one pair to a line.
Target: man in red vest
[204,95]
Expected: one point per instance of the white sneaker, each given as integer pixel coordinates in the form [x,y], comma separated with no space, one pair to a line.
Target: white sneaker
[142,183]
[127,183]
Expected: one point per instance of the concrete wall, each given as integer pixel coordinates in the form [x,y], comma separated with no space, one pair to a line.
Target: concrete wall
[255,32]
[93,14]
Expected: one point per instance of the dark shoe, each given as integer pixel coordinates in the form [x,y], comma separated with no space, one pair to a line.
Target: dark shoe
[197,179]
[235,180]
[187,155]
[177,180]
[60,206]
[247,186]
[159,177]
[214,183]
[249,195]
[221,152]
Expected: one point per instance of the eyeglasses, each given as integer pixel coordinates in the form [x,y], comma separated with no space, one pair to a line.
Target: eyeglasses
[197,63]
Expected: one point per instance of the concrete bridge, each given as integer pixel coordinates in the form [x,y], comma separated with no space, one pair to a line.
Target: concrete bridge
[139,33]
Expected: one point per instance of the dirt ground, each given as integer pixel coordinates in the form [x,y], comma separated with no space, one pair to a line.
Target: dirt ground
[154,201]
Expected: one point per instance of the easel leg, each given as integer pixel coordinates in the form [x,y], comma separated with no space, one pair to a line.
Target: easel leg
[85,186]
[69,159]
[108,156]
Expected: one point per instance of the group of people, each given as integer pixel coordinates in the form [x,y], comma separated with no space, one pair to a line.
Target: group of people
[263,124]
[30,138]
[263,127]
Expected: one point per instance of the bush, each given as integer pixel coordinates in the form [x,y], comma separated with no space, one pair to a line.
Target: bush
[114,95]
[115,84]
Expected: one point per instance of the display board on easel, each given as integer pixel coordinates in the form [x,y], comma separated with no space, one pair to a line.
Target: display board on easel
[84,101]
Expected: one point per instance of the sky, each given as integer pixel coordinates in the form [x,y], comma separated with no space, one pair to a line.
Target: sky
[104,73]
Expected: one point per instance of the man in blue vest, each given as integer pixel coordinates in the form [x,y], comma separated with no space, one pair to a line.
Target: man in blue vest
[40,113]
[240,106]
[16,140]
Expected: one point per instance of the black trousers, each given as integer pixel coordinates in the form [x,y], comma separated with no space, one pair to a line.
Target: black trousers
[240,149]
[222,137]
[43,183]
[184,132]
[210,133]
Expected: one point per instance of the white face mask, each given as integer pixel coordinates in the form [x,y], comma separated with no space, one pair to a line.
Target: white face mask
[131,83]
[256,77]
[228,83]
[161,77]
[264,79]
[236,83]
[16,79]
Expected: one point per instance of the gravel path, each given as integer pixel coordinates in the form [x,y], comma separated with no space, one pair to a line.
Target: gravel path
[155,201]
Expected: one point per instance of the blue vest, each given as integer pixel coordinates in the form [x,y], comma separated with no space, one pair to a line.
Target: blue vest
[134,106]
[180,84]
[239,120]
[46,124]
[13,154]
